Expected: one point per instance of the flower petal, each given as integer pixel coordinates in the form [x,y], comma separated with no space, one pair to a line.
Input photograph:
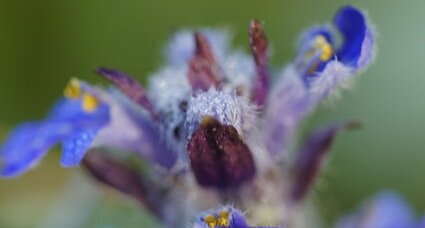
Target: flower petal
[30,142]
[386,210]
[351,23]
[70,110]
[75,147]
[422,223]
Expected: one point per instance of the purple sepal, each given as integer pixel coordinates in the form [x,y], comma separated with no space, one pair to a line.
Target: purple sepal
[118,176]
[203,71]
[129,87]
[288,104]
[259,47]
[133,130]
[310,158]
[153,145]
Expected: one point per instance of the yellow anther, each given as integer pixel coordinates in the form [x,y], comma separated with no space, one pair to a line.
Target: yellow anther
[211,221]
[223,219]
[323,45]
[90,102]
[207,120]
[73,89]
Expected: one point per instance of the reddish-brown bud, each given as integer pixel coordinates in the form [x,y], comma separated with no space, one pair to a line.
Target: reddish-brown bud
[218,156]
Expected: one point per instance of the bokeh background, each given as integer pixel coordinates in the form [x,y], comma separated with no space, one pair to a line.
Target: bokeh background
[44,43]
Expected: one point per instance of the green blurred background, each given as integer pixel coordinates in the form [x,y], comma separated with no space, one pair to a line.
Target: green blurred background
[44,43]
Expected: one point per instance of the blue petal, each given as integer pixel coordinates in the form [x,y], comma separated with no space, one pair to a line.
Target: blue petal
[390,210]
[422,223]
[238,220]
[69,110]
[352,24]
[386,210]
[75,147]
[29,142]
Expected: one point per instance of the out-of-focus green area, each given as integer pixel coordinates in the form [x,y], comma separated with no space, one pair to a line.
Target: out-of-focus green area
[44,43]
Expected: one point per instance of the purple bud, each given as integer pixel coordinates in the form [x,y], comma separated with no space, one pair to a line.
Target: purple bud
[311,156]
[129,87]
[218,156]
[259,46]
[203,69]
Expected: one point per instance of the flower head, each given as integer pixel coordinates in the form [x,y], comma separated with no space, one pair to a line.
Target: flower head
[214,124]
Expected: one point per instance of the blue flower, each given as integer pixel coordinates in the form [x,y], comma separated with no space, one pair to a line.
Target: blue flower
[225,217]
[320,69]
[385,210]
[74,121]
[214,125]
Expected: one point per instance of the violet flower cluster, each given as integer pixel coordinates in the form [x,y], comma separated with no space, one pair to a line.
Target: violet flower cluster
[214,126]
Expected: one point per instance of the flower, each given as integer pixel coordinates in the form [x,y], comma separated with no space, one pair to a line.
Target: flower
[214,126]
[224,217]
[387,209]
[74,121]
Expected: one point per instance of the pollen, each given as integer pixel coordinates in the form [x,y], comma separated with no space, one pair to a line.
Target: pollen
[73,89]
[89,102]
[320,43]
[223,219]
[211,221]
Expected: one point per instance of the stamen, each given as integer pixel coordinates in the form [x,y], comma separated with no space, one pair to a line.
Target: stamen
[211,221]
[73,89]
[320,43]
[223,219]
[90,102]
[207,120]
[318,51]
